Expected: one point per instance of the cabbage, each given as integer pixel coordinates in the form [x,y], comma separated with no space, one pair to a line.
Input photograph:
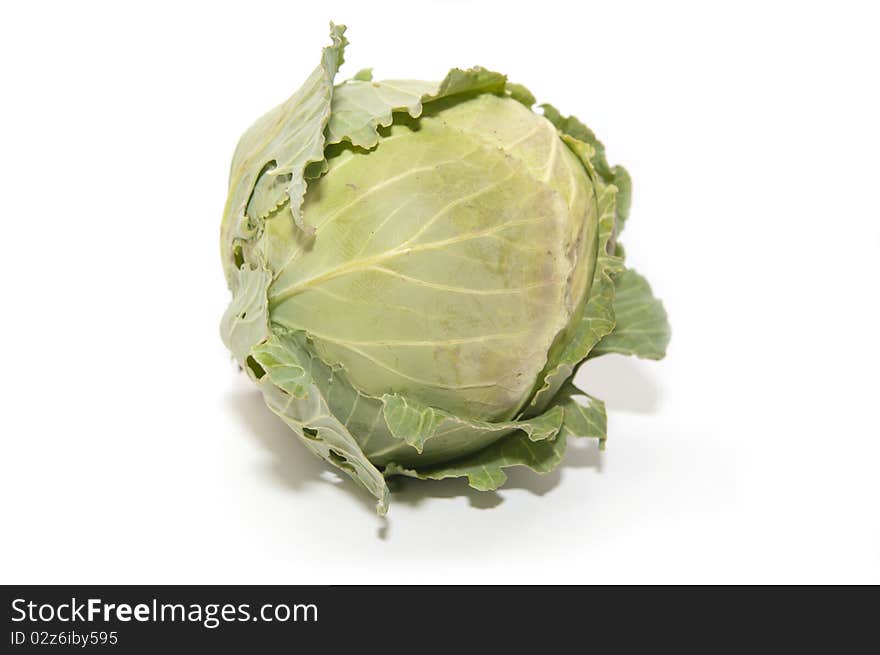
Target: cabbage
[417,270]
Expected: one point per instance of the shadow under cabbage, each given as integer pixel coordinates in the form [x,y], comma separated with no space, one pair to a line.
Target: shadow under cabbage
[291,465]
[625,383]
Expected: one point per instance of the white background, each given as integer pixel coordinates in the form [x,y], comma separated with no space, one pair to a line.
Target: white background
[134,452]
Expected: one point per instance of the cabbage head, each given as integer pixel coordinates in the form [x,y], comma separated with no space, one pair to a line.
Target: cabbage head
[418,269]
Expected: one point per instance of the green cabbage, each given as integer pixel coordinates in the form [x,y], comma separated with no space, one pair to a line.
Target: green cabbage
[417,270]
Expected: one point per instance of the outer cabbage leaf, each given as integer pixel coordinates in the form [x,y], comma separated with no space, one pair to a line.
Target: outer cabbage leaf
[471,80]
[361,106]
[616,175]
[414,424]
[363,75]
[268,168]
[246,321]
[520,93]
[289,377]
[485,469]
[642,328]
[291,389]
[584,419]
[597,320]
